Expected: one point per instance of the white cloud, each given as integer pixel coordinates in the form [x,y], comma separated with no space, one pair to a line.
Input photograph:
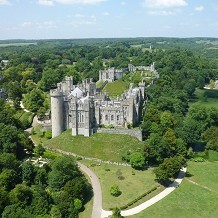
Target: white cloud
[39,25]
[68,2]
[4,2]
[106,13]
[199,8]
[82,20]
[26,24]
[164,3]
[46,2]
[79,15]
[161,13]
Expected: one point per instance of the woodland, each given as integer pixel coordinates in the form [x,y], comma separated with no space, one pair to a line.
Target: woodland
[174,129]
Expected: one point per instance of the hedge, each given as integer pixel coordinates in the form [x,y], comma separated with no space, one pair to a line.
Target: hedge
[136,199]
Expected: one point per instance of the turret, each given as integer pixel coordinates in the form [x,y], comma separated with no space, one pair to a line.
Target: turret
[57,111]
[142,88]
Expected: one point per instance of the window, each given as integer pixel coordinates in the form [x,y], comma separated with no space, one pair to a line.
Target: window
[112,117]
[106,117]
[118,117]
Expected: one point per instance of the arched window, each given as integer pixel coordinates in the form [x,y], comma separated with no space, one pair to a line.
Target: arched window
[82,119]
[106,117]
[112,117]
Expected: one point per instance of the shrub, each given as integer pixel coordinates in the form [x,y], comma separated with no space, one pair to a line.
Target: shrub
[121,177]
[111,126]
[115,191]
[48,134]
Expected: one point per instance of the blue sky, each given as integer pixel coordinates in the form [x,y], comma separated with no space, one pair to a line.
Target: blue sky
[49,19]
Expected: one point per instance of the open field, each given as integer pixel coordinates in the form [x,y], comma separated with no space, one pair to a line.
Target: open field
[190,200]
[116,88]
[132,183]
[103,146]
[17,44]
[202,101]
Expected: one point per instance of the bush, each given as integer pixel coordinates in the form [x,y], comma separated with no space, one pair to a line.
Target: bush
[121,177]
[115,191]
[111,126]
[137,160]
[79,158]
[48,134]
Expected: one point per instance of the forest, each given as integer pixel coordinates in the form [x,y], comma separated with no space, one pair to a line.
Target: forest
[173,128]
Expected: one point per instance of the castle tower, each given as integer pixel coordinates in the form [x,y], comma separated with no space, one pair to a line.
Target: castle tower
[142,88]
[67,86]
[57,112]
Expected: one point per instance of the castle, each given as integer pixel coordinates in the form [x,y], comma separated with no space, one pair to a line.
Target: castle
[84,108]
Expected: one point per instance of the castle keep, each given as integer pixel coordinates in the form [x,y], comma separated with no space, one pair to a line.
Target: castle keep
[84,109]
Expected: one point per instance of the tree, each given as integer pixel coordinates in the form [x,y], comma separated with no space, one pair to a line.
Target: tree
[3,199]
[116,213]
[8,179]
[78,204]
[41,201]
[28,172]
[34,100]
[115,191]
[137,160]
[64,169]
[169,168]
[55,212]
[21,195]
[39,150]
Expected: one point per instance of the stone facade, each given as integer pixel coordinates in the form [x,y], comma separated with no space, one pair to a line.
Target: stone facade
[84,109]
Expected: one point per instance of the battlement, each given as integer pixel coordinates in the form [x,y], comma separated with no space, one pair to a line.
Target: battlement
[56,93]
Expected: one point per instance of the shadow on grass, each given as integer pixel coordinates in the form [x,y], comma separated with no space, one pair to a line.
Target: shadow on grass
[188,175]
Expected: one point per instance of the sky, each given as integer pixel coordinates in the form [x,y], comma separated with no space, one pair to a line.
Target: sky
[68,19]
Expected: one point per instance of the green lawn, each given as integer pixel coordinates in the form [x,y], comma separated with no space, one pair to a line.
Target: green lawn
[190,200]
[116,88]
[99,83]
[202,101]
[99,145]
[131,186]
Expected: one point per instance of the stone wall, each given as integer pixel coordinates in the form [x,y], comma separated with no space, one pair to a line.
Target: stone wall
[135,133]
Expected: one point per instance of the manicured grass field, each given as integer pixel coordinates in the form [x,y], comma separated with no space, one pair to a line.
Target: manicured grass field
[202,101]
[103,146]
[130,185]
[116,88]
[190,200]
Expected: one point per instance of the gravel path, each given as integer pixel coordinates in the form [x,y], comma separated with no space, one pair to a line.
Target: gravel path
[97,205]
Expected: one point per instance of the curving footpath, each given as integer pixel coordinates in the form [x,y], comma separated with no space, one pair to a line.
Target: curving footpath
[98,212]
[153,200]
[97,205]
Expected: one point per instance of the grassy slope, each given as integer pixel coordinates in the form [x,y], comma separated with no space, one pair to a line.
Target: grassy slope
[99,83]
[116,88]
[131,186]
[199,100]
[190,200]
[103,146]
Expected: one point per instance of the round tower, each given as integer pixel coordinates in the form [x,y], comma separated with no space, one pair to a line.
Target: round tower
[57,112]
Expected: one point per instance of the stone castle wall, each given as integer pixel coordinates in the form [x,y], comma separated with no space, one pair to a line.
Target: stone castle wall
[132,132]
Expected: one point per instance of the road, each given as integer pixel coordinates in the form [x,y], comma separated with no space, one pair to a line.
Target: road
[97,205]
